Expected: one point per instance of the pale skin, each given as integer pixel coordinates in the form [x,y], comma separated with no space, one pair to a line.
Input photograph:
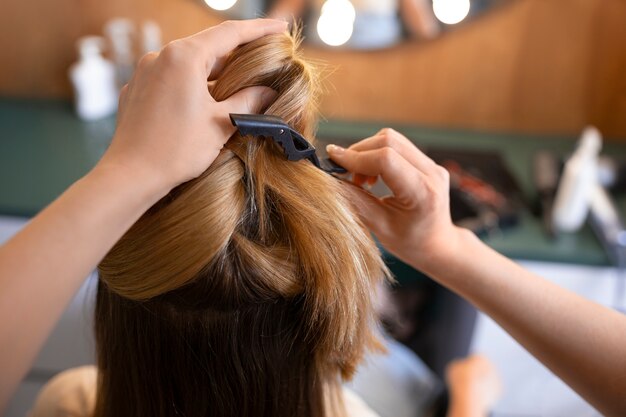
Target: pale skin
[474,387]
[169,131]
[582,342]
[287,9]
[419,19]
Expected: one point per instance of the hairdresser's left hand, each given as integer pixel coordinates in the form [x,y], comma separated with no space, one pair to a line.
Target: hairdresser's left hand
[170,128]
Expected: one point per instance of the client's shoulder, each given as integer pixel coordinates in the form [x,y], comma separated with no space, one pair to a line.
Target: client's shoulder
[355,406]
[71,393]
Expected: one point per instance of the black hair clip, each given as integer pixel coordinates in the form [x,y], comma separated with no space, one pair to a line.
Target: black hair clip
[296,147]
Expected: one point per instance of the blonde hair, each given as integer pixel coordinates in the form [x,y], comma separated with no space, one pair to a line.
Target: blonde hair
[254,236]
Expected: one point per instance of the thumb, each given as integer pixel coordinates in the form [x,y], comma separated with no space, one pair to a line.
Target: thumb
[250,100]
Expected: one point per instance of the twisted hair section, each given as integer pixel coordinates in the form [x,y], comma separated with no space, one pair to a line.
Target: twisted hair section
[256,279]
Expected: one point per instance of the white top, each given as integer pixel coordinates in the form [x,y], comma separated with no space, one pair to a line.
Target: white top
[377,7]
[73,394]
[382,7]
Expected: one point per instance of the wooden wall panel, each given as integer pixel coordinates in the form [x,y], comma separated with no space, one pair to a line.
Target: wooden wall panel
[548,66]
[37,37]
[464,75]
[606,106]
[539,66]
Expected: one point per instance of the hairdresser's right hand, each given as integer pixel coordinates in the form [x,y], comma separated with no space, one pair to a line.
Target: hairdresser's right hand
[170,129]
[414,223]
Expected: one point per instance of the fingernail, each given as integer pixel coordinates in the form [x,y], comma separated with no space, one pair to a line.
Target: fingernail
[335,150]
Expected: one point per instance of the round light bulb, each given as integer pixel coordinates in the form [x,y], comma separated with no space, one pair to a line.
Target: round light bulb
[336,22]
[451,12]
[342,9]
[220,4]
[333,31]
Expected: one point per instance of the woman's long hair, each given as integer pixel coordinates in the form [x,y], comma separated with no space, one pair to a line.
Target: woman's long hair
[248,291]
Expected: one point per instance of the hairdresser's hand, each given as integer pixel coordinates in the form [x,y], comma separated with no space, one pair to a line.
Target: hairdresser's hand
[414,223]
[553,323]
[170,129]
[474,386]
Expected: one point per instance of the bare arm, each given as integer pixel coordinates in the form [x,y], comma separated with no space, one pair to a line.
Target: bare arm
[170,130]
[288,9]
[580,341]
[419,18]
[44,265]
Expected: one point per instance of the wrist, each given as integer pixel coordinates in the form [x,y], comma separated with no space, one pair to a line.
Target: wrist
[464,404]
[145,187]
[446,250]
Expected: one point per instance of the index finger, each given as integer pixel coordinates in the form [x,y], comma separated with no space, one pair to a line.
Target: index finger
[216,43]
[404,180]
[397,141]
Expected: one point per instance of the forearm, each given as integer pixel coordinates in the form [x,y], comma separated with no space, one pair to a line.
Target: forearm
[465,405]
[581,341]
[44,265]
[288,9]
[554,324]
[419,19]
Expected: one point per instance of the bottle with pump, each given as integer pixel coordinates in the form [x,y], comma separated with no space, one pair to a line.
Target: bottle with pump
[93,78]
[579,180]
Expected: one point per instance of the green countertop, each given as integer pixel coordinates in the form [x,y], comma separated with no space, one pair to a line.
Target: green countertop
[44,147]
[528,240]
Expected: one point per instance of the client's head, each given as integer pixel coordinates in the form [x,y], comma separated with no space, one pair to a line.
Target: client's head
[247,291]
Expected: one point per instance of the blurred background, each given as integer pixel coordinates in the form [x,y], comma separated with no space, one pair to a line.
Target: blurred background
[526,66]
[518,99]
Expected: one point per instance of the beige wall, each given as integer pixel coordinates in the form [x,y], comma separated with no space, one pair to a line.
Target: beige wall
[545,66]
[37,36]
[535,66]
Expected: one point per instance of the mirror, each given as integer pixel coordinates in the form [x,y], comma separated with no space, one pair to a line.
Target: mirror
[361,24]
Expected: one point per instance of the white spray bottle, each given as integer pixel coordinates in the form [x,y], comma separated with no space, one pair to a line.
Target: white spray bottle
[578,182]
[93,78]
